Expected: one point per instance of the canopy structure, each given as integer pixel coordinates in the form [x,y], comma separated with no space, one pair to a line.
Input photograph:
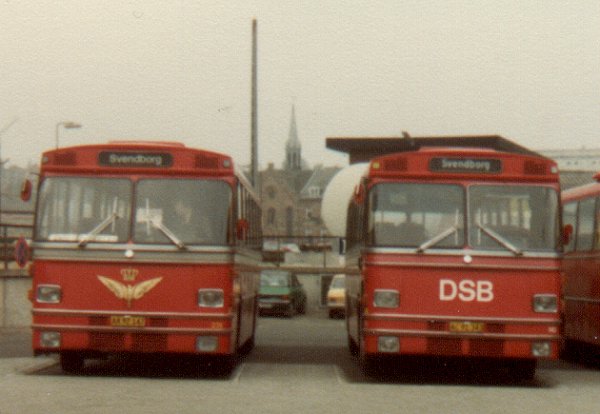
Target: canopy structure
[362,149]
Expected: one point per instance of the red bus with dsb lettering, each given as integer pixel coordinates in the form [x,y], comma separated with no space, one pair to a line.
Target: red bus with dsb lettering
[454,251]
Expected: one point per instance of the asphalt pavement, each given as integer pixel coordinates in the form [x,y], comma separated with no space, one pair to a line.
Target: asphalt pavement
[15,342]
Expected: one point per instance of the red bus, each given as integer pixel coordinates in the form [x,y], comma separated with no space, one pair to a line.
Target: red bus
[143,247]
[455,252]
[581,267]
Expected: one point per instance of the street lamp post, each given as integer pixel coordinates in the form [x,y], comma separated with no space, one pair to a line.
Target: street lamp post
[66,125]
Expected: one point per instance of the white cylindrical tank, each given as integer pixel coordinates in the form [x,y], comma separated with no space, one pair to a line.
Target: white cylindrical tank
[336,196]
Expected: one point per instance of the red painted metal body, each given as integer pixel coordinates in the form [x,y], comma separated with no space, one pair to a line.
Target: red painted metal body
[97,293]
[581,265]
[451,293]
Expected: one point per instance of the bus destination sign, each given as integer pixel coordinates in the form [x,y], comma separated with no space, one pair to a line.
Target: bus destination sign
[465,165]
[135,159]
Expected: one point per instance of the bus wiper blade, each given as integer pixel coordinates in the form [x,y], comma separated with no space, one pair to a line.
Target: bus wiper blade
[98,229]
[171,236]
[500,240]
[436,239]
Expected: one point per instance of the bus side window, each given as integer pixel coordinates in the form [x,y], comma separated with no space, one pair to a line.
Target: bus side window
[570,217]
[585,224]
[597,222]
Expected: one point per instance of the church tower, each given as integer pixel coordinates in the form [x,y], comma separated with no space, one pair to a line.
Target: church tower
[293,148]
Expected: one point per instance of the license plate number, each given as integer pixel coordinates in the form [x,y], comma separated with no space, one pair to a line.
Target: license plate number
[467,327]
[129,321]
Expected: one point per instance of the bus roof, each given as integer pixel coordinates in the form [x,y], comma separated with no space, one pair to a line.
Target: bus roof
[362,149]
[147,143]
[130,157]
[130,144]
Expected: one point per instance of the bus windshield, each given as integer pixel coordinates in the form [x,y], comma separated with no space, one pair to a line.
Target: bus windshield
[167,211]
[423,216]
[78,209]
[516,218]
[417,215]
[182,212]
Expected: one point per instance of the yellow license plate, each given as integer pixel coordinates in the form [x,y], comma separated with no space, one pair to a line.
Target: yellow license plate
[129,321]
[467,327]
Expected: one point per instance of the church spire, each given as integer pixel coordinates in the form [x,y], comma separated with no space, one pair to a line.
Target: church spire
[293,148]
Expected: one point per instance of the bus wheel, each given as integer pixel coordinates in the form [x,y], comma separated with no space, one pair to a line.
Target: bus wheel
[248,346]
[228,364]
[221,365]
[523,369]
[71,362]
[369,365]
[354,351]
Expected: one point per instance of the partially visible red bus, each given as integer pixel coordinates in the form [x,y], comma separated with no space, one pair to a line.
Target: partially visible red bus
[581,267]
[143,247]
[455,252]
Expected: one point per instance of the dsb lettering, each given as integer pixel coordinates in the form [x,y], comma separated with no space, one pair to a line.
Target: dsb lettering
[466,290]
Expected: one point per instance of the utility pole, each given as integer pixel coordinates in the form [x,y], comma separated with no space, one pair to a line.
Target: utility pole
[254,115]
[2,131]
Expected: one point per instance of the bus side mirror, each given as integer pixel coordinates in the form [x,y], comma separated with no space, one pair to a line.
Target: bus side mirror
[359,194]
[241,229]
[567,234]
[26,190]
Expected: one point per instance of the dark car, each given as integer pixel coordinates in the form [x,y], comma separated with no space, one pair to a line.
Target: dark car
[281,293]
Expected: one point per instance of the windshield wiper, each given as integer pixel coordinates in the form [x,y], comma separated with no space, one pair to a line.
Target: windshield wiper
[167,232]
[98,229]
[500,240]
[436,239]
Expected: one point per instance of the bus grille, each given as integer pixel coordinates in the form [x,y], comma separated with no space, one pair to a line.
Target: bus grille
[149,342]
[474,347]
[444,346]
[107,341]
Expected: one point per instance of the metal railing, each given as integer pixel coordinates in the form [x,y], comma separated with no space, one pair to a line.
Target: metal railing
[275,247]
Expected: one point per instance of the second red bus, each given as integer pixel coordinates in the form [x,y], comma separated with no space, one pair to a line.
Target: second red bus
[455,252]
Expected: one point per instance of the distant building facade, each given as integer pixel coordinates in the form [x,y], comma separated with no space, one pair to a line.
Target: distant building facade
[577,166]
[291,196]
[583,159]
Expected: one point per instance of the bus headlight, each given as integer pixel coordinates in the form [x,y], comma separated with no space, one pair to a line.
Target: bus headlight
[48,294]
[545,303]
[210,298]
[384,298]
[541,349]
[206,343]
[50,339]
[388,344]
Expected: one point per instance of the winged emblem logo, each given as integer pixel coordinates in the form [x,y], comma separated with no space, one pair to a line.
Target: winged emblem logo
[129,292]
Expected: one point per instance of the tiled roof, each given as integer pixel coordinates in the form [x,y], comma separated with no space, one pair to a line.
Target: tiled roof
[320,178]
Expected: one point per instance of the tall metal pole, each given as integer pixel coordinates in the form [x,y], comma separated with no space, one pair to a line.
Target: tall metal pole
[254,121]
[2,131]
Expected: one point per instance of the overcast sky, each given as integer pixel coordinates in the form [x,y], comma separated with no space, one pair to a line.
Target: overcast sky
[180,70]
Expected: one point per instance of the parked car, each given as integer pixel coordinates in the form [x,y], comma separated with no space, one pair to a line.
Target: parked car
[281,293]
[336,296]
